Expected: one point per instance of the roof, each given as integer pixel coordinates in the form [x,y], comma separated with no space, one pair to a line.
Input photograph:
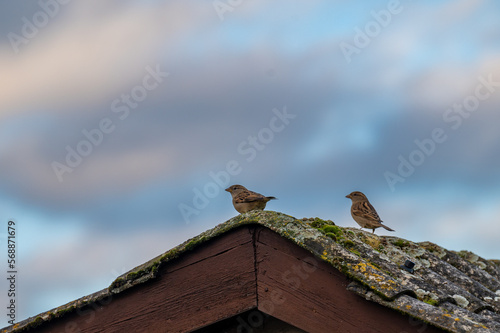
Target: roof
[455,291]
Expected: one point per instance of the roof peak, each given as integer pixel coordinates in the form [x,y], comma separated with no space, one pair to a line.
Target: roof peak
[445,284]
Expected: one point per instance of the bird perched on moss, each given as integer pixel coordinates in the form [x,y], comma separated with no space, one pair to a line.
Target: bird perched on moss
[363,212]
[245,200]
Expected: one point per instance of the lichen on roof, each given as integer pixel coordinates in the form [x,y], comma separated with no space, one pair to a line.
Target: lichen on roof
[456,291]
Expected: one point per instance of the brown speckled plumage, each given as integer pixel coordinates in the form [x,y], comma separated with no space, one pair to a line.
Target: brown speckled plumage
[363,212]
[245,200]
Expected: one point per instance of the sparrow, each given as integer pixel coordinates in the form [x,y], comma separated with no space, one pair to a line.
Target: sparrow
[245,200]
[363,212]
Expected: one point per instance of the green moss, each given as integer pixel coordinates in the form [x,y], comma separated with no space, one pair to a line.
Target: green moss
[338,235]
[401,243]
[155,267]
[333,229]
[345,270]
[332,236]
[495,261]
[135,275]
[172,254]
[319,223]
[62,312]
[355,252]
[191,245]
[195,242]
[145,271]
[348,243]
[35,323]
[463,254]
[117,283]
[431,301]
[329,228]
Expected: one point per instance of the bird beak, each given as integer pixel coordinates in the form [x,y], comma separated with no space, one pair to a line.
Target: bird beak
[228,190]
[348,196]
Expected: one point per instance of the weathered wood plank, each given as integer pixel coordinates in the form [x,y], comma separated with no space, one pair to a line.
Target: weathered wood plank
[208,284]
[221,279]
[298,288]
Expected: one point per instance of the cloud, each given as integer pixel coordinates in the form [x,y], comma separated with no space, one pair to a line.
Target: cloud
[73,263]
[83,58]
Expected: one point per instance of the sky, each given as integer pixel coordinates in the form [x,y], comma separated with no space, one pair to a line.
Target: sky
[121,122]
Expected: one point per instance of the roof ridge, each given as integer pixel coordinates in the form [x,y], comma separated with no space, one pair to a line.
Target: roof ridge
[447,286]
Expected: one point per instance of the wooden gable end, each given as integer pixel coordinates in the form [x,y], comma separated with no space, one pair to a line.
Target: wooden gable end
[242,273]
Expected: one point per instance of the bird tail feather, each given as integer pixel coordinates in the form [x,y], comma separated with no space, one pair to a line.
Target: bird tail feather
[387,228]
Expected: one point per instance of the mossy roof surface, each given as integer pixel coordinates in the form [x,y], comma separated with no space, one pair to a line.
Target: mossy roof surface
[456,291]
